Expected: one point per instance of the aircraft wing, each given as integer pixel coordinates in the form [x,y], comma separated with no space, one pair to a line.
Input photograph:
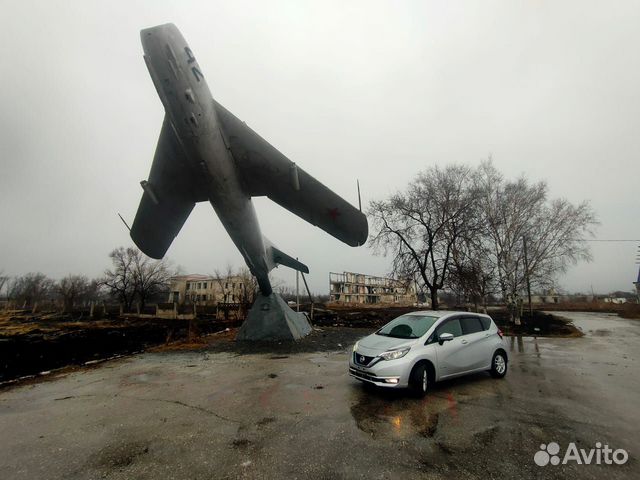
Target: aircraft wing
[169,196]
[266,171]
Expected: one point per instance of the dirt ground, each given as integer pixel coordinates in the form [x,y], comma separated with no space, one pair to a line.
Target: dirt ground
[30,344]
[540,324]
[291,411]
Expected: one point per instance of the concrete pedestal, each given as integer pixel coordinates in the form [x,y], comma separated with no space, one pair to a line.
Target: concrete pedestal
[270,318]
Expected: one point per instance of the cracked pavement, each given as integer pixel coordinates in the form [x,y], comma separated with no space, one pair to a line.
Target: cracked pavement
[221,413]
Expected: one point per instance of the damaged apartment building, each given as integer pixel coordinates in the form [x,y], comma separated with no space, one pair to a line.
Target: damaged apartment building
[358,288]
[206,290]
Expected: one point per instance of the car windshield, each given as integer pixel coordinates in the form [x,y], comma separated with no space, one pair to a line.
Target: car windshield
[407,326]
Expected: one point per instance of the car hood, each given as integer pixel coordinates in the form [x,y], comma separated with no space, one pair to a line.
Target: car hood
[376,344]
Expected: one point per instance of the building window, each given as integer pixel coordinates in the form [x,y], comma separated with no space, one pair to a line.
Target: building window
[199,286]
[204,285]
[188,285]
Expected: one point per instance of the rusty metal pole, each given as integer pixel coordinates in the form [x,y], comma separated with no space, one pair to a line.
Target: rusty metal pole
[308,293]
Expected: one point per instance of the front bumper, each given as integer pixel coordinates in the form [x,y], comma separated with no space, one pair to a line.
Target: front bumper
[379,381]
[383,373]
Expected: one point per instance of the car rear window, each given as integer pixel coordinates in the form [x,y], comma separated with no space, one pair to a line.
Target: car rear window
[470,325]
[407,326]
[486,322]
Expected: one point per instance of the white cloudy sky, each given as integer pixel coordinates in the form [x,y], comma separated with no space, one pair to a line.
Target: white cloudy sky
[367,90]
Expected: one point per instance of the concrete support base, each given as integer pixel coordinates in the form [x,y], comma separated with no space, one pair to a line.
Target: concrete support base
[270,318]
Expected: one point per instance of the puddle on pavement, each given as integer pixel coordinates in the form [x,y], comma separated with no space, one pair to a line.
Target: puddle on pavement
[396,414]
[518,343]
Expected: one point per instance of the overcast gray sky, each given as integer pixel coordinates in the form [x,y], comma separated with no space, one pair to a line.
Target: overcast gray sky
[368,90]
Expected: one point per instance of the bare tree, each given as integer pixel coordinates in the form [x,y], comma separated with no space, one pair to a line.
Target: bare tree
[136,277]
[518,211]
[121,279]
[321,297]
[71,289]
[249,285]
[222,278]
[472,272]
[150,277]
[30,289]
[288,293]
[95,291]
[421,226]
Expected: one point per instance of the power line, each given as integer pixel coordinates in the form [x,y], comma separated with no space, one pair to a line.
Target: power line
[610,240]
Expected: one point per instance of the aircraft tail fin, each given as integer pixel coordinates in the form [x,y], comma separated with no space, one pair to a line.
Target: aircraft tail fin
[276,257]
[282,258]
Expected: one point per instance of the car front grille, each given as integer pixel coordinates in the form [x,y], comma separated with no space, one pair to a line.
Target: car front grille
[360,359]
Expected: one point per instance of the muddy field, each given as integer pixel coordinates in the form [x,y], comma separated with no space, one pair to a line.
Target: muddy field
[540,324]
[31,344]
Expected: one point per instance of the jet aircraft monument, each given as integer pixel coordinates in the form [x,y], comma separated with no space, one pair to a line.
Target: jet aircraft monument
[205,153]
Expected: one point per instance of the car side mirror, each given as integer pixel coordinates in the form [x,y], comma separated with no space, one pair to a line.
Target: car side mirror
[445,337]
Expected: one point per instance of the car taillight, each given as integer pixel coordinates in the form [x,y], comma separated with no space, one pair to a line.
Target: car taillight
[500,333]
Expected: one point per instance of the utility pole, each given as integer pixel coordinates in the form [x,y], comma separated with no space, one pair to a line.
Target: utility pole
[297,290]
[308,293]
[526,272]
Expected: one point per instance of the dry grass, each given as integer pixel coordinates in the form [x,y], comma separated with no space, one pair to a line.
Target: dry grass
[630,311]
[198,342]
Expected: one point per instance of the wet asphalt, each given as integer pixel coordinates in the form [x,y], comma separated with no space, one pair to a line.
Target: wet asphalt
[223,413]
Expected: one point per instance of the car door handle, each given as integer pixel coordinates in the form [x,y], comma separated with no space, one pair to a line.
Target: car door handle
[464,342]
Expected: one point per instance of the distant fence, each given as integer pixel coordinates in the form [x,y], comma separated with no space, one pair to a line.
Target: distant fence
[221,311]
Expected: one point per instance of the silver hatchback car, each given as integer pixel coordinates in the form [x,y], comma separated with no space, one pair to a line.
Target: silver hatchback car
[419,348]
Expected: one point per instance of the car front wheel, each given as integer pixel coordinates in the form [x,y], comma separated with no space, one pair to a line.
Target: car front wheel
[419,382]
[498,365]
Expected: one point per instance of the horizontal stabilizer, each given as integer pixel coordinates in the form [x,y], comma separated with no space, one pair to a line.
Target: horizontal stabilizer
[282,258]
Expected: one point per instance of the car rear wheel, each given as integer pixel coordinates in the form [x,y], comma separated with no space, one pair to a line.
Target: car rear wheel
[419,382]
[498,365]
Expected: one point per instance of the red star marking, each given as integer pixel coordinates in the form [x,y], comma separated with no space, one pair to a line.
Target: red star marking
[333,213]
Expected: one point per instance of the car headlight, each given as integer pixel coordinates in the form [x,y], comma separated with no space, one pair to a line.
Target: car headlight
[355,346]
[395,354]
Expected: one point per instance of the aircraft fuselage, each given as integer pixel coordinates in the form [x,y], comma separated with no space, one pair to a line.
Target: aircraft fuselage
[189,106]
